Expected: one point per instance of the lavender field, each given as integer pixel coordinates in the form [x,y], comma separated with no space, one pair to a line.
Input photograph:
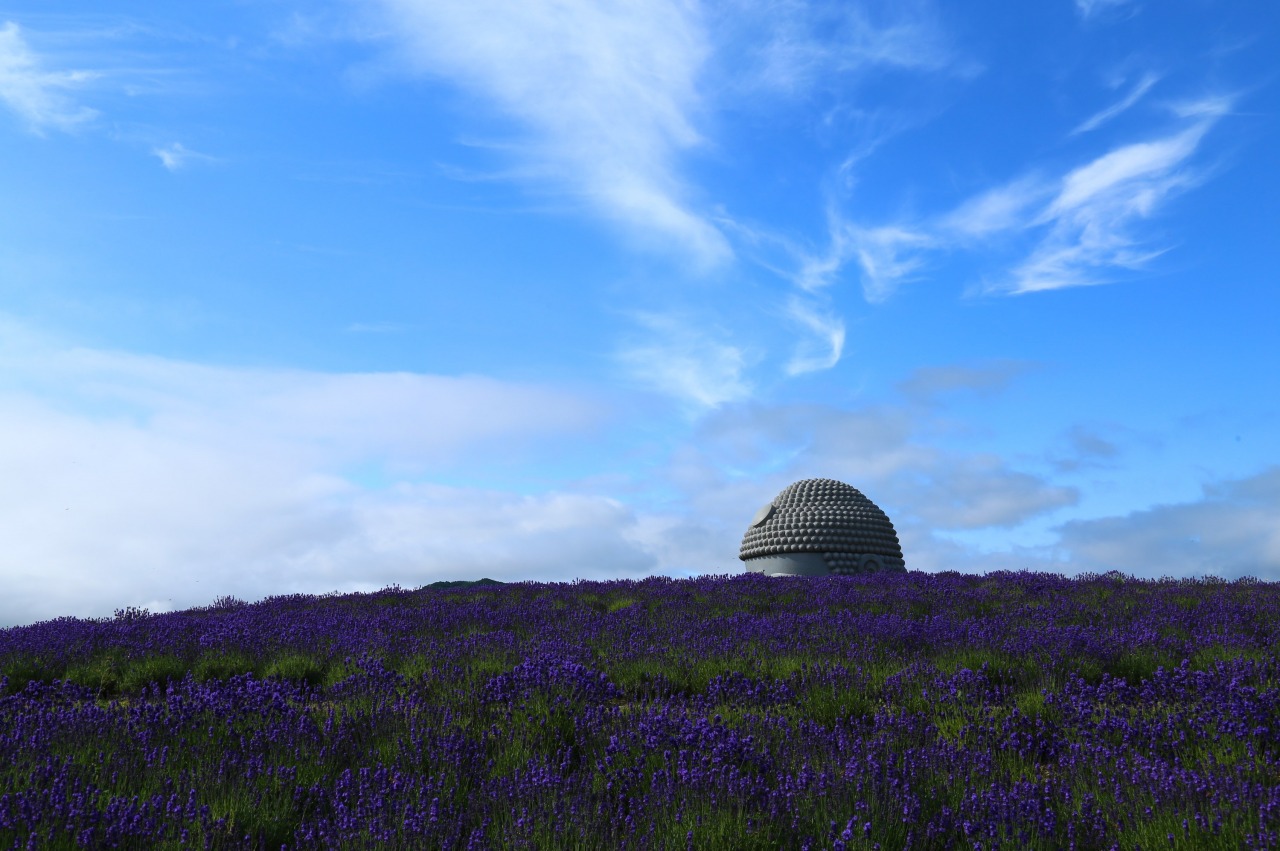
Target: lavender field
[1014,711]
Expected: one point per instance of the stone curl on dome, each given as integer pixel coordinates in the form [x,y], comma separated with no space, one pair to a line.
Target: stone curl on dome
[830,519]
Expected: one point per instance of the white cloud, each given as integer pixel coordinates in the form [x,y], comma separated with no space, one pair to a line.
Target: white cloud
[1230,532]
[424,530]
[819,271]
[1208,107]
[37,95]
[828,328]
[1096,120]
[1125,169]
[1089,8]
[611,95]
[425,420]
[980,491]
[887,256]
[101,515]
[607,92]
[790,47]
[128,479]
[882,255]
[1091,219]
[1084,222]
[685,362]
[995,210]
[177,156]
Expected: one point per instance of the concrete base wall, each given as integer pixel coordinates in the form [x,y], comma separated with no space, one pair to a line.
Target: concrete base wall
[791,564]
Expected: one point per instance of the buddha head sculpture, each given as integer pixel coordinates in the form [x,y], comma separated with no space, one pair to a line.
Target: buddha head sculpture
[821,527]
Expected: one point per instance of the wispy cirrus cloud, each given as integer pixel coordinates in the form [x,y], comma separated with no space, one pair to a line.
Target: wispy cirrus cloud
[790,47]
[1125,168]
[1134,95]
[38,96]
[607,93]
[1092,217]
[1089,222]
[1090,8]
[676,357]
[176,156]
[611,98]
[886,256]
[1082,225]
[1003,208]
[826,327]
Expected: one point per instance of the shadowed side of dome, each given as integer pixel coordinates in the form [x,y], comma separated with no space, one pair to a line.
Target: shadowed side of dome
[818,527]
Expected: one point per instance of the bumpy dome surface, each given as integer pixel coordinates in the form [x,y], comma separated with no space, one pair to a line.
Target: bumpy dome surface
[829,518]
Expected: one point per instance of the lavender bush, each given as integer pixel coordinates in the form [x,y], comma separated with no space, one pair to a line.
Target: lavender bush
[1015,711]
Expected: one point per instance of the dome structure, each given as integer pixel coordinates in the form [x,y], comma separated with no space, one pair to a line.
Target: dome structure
[821,527]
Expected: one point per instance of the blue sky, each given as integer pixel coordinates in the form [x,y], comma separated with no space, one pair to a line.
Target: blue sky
[297,298]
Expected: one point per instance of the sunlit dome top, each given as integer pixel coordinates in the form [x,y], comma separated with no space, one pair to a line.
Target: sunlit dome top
[829,518]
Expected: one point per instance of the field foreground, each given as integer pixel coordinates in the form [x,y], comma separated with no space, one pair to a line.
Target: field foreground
[1013,710]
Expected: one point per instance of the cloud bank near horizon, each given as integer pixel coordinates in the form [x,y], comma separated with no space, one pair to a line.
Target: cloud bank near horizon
[151,482]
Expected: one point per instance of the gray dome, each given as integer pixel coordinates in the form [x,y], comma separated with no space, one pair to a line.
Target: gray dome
[817,522]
